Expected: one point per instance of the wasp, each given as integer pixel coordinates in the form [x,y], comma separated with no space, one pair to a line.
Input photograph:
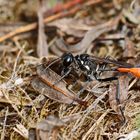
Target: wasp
[92,67]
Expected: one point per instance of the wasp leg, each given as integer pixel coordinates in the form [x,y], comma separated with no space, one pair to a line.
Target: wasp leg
[83,88]
[105,79]
[118,101]
[69,87]
[64,75]
[102,68]
[73,85]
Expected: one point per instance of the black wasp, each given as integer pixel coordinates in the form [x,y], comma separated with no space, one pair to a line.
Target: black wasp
[88,65]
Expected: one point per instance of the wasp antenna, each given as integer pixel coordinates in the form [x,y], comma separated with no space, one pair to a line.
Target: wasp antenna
[54,61]
[57,59]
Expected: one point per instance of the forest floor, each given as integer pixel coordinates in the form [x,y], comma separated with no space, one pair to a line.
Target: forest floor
[36,102]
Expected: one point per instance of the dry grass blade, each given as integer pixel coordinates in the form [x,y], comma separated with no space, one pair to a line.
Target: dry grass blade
[21,130]
[4,123]
[89,109]
[15,100]
[95,124]
[6,95]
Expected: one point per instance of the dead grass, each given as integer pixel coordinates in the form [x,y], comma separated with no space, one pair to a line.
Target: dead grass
[21,107]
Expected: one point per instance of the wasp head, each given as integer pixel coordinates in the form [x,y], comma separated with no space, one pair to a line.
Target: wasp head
[67,59]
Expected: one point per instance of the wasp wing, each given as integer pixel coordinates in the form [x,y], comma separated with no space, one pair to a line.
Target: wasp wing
[107,60]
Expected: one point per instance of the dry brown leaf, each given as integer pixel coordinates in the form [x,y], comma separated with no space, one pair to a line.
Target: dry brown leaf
[32,134]
[89,37]
[129,50]
[58,92]
[114,102]
[112,98]
[49,127]
[51,93]
[71,26]
[118,96]
[123,89]
[49,123]
[133,14]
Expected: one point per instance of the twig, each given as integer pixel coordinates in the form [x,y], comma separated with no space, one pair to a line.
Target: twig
[33,26]
[15,65]
[61,7]
[42,45]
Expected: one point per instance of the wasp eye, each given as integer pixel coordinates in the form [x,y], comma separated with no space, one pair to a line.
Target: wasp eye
[84,56]
[67,58]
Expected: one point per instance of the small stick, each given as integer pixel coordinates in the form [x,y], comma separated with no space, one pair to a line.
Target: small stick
[33,26]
